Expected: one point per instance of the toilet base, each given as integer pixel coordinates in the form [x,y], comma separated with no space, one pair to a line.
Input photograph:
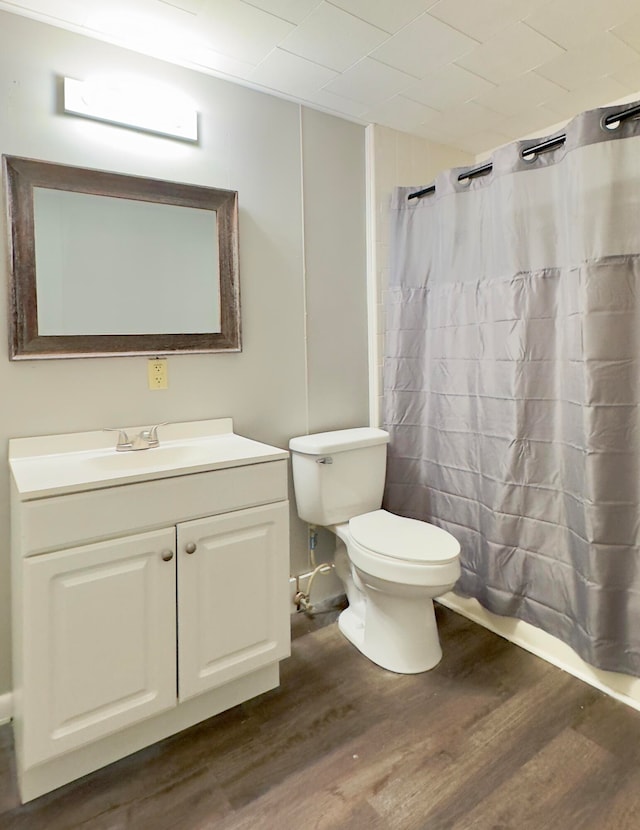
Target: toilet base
[398,633]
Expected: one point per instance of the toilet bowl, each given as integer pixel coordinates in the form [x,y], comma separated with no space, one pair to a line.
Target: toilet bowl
[392,567]
[398,566]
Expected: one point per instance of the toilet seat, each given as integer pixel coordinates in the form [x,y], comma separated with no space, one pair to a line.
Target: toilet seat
[401,550]
[405,539]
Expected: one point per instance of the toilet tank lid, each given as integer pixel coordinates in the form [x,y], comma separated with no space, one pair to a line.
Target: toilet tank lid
[322,443]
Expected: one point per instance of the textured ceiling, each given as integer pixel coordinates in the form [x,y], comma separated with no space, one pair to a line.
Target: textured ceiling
[470,73]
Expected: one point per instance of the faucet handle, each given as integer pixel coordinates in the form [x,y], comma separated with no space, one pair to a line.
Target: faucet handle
[152,434]
[124,442]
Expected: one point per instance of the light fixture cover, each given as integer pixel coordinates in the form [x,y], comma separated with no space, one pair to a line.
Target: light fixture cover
[128,106]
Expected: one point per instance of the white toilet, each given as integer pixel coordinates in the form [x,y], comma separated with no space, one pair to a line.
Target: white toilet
[392,567]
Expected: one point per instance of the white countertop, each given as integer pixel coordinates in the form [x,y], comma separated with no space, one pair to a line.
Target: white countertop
[52,465]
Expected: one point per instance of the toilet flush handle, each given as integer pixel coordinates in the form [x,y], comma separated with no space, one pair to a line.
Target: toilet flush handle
[324,460]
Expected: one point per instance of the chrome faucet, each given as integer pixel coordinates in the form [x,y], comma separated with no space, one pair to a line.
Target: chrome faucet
[146,439]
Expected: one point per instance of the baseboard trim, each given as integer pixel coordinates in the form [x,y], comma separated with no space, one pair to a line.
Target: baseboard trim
[6,707]
[622,687]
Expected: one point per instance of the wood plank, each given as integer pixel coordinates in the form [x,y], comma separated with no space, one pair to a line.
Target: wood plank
[536,794]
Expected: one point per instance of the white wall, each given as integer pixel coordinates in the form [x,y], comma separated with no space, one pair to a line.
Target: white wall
[333,162]
[395,159]
[302,261]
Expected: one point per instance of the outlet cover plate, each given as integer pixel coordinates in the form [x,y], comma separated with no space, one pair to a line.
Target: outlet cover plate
[158,375]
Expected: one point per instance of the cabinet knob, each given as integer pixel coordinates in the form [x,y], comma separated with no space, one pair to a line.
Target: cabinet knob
[167,555]
[190,547]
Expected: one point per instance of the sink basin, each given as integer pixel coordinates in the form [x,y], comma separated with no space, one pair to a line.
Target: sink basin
[166,455]
[57,464]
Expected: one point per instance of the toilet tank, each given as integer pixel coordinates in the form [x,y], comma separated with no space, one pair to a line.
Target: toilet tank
[338,475]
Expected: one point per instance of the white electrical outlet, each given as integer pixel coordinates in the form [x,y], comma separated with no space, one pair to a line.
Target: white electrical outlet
[157,373]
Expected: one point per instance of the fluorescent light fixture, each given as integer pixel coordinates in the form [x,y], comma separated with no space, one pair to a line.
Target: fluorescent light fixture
[149,109]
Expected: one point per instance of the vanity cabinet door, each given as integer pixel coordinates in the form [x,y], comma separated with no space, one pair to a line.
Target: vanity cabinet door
[233,585]
[98,640]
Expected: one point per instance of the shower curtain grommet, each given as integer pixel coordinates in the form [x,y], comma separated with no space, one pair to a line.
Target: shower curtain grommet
[612,126]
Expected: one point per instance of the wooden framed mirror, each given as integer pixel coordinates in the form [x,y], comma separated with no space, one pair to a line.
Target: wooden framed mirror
[105,264]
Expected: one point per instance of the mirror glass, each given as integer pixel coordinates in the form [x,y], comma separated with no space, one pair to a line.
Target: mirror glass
[163,254]
[110,264]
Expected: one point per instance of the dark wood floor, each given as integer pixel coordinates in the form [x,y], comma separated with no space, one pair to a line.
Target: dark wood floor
[492,739]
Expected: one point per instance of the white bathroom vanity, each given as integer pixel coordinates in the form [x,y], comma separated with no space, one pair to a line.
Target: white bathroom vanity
[150,590]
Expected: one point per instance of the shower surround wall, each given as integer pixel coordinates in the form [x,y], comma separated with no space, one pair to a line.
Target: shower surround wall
[300,176]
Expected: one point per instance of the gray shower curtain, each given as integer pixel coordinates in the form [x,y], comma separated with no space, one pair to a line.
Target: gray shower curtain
[512,382]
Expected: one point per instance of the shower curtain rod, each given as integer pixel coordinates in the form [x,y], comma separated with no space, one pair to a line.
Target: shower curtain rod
[542,147]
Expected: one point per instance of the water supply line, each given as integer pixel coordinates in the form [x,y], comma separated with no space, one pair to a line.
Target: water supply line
[302,599]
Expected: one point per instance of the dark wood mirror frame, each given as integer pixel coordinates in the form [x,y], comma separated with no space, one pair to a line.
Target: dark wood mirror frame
[22,175]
